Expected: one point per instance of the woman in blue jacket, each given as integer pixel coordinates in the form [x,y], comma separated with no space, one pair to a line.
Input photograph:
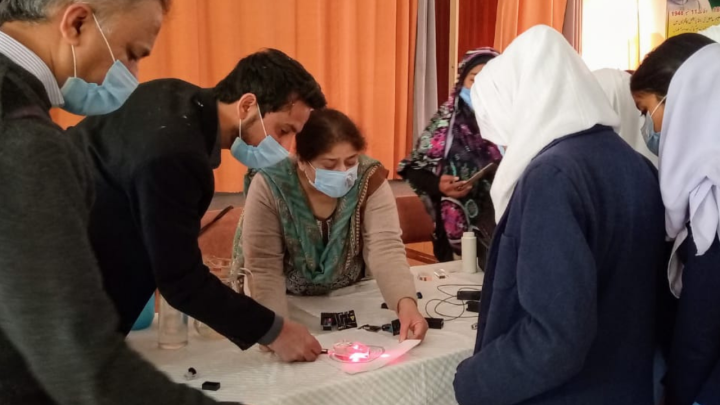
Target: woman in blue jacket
[678,89]
[567,315]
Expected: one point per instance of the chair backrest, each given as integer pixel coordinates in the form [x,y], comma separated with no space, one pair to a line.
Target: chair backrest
[416,224]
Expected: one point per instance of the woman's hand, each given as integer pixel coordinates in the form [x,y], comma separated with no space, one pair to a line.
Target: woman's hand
[412,323]
[452,187]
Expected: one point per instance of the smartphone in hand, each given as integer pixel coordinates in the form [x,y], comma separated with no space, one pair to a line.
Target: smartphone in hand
[484,172]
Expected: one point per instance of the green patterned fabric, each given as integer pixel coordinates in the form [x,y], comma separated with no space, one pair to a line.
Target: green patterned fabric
[309,263]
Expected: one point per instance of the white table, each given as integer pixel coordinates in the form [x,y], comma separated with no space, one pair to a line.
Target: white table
[422,376]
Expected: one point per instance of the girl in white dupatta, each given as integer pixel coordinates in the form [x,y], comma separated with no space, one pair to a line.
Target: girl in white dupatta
[689,149]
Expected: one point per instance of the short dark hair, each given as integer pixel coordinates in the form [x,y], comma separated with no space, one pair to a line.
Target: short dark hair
[325,129]
[657,70]
[274,78]
[37,10]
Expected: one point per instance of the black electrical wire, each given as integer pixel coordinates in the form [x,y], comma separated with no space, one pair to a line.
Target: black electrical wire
[446,301]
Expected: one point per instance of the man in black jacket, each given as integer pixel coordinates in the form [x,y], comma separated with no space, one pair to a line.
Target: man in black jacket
[58,338]
[154,161]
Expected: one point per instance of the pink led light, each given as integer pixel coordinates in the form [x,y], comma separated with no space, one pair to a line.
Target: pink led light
[358,357]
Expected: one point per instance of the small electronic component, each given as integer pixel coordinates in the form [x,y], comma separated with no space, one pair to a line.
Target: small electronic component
[371,328]
[191,374]
[473,306]
[419,295]
[392,327]
[346,320]
[327,321]
[424,277]
[469,295]
[383,306]
[210,386]
[435,323]
[474,326]
[343,320]
[441,274]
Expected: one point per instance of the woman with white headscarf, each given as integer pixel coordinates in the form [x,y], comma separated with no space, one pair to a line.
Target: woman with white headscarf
[678,87]
[567,315]
[616,85]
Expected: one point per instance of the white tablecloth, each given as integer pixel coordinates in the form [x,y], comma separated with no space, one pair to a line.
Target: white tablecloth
[422,376]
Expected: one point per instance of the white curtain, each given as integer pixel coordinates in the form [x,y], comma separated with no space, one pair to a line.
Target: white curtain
[619,33]
[425,102]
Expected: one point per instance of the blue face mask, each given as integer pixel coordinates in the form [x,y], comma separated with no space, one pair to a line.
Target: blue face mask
[334,183]
[652,138]
[465,95]
[83,98]
[268,153]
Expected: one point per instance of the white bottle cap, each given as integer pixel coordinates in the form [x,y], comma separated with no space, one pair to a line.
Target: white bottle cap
[469,235]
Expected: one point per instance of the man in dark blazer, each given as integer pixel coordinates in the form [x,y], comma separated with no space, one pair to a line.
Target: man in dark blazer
[154,161]
[58,338]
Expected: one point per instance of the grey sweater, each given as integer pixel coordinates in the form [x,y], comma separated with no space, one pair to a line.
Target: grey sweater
[58,339]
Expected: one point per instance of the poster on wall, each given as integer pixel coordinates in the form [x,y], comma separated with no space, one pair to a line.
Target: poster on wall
[691,16]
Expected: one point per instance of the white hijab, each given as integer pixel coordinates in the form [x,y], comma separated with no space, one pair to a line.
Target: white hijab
[690,149]
[537,91]
[712,33]
[616,85]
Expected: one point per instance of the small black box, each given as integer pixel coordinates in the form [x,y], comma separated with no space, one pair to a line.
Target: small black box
[469,295]
[211,386]
[395,327]
[328,320]
[473,306]
[435,323]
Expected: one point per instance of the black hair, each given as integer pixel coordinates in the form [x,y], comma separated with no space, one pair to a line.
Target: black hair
[657,70]
[274,78]
[325,129]
[474,62]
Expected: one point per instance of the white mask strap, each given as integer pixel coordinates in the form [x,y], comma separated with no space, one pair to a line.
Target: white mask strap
[105,38]
[658,106]
[74,61]
[261,121]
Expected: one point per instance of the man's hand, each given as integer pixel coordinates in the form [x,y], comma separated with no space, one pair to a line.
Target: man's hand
[295,343]
[412,323]
[452,187]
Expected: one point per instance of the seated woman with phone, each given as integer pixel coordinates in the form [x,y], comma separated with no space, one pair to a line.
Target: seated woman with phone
[324,220]
[452,167]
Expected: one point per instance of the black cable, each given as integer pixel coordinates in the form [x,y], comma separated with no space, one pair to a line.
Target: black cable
[446,301]
[446,317]
[461,287]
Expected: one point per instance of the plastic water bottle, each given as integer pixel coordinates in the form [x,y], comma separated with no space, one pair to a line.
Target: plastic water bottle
[172,328]
[469,253]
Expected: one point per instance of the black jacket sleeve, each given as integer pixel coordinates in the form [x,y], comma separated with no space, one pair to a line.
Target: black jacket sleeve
[53,312]
[166,202]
